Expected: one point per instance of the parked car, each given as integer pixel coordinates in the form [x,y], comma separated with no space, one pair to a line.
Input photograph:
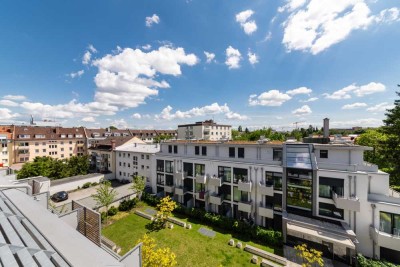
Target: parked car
[59,196]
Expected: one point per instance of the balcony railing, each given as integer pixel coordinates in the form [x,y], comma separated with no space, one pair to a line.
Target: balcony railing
[265,211]
[201,178]
[215,181]
[244,186]
[266,189]
[216,199]
[245,206]
[384,239]
[202,195]
[179,176]
[346,203]
[169,188]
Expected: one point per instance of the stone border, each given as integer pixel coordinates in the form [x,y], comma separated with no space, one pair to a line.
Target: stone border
[144,215]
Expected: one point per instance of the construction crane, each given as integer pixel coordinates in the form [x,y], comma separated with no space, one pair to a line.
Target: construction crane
[296,123]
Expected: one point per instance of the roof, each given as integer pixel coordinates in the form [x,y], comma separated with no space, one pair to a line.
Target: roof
[107,144]
[204,123]
[52,133]
[6,130]
[34,233]
[140,148]
[102,132]
[230,142]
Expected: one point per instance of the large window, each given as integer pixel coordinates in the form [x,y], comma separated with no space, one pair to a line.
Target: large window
[200,169]
[175,149]
[160,179]
[239,174]
[241,152]
[160,165]
[274,178]
[277,154]
[299,189]
[204,151]
[329,185]
[197,150]
[278,202]
[199,187]
[231,152]
[329,210]
[225,173]
[169,148]
[169,180]
[188,168]
[169,166]
[389,223]
[240,195]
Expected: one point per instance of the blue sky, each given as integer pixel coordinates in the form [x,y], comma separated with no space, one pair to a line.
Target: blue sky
[157,63]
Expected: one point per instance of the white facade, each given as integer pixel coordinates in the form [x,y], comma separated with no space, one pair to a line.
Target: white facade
[324,193]
[5,151]
[207,130]
[135,159]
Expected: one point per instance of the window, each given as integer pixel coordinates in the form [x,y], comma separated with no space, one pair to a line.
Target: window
[299,189]
[142,156]
[204,151]
[142,167]
[328,186]
[389,223]
[175,149]
[36,150]
[129,165]
[232,152]
[188,168]
[274,178]
[160,165]
[329,210]
[120,163]
[44,150]
[197,150]
[277,154]
[225,173]
[62,149]
[200,169]
[160,179]
[62,155]
[147,157]
[323,154]
[240,195]
[169,149]
[241,152]
[239,174]
[36,144]
[169,166]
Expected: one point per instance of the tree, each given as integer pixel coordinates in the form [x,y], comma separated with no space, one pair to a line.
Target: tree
[391,145]
[374,138]
[309,256]
[138,185]
[105,195]
[165,209]
[240,129]
[246,130]
[113,127]
[156,257]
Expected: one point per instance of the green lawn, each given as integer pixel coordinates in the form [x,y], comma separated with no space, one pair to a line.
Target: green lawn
[190,247]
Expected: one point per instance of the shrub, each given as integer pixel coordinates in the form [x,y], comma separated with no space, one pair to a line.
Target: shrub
[364,262]
[103,216]
[86,185]
[112,211]
[149,199]
[94,184]
[127,204]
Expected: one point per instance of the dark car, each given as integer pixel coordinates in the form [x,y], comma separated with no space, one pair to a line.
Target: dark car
[59,196]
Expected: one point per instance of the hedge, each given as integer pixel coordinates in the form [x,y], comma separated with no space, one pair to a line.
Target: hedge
[364,262]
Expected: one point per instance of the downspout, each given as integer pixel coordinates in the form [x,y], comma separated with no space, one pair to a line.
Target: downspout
[26,186]
[373,225]
[255,202]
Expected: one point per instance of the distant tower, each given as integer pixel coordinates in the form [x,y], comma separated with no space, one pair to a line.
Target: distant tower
[31,121]
[326,128]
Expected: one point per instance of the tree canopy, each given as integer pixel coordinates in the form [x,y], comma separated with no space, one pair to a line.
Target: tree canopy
[156,257]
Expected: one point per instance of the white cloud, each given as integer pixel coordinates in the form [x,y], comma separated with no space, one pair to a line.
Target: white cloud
[128,78]
[312,99]
[380,107]
[233,58]
[14,97]
[354,105]
[86,58]
[304,110]
[249,26]
[136,116]
[267,37]
[298,91]
[319,24]
[272,98]
[253,58]
[120,124]
[235,116]
[144,47]
[367,122]
[152,20]
[88,119]
[76,74]
[213,109]
[345,93]
[92,48]
[6,114]
[210,56]
[8,103]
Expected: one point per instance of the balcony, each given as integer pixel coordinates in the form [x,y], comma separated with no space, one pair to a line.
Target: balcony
[244,186]
[215,181]
[179,176]
[266,189]
[384,239]
[245,206]
[202,195]
[265,211]
[215,199]
[80,145]
[201,178]
[352,203]
[169,188]
[180,190]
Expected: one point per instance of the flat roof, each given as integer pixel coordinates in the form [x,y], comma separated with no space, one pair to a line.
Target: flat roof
[139,148]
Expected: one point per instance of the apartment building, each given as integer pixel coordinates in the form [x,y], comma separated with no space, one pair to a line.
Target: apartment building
[149,136]
[55,142]
[135,159]
[96,135]
[102,154]
[205,130]
[6,151]
[323,194]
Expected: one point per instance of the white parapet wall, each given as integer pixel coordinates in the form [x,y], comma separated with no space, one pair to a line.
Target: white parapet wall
[72,183]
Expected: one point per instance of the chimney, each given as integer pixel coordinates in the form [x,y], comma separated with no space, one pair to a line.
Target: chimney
[57,130]
[326,128]
[112,144]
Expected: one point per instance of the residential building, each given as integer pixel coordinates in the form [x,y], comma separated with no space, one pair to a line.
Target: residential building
[135,159]
[102,154]
[55,142]
[320,193]
[149,136]
[205,130]
[96,135]
[6,152]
